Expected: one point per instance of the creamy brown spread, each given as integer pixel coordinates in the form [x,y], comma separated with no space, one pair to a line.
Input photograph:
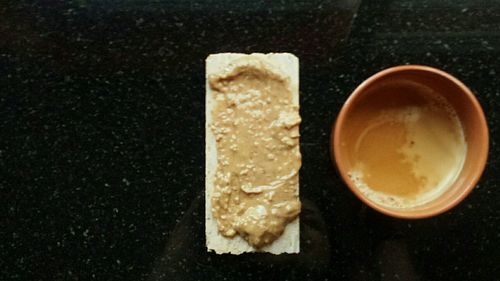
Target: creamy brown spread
[256,127]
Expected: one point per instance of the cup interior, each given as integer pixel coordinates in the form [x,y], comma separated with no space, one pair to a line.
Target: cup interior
[468,110]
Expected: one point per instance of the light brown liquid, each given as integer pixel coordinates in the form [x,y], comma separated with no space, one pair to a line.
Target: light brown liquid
[406,145]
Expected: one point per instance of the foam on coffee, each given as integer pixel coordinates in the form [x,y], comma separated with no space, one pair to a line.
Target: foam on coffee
[406,146]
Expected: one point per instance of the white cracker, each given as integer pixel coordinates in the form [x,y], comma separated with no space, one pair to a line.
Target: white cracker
[289,242]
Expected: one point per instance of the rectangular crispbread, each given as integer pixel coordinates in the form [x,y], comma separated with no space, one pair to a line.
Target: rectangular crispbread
[289,241]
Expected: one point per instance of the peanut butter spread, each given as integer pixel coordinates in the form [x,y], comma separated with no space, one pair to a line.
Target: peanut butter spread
[256,126]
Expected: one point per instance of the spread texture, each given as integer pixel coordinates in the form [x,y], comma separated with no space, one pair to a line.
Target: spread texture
[256,128]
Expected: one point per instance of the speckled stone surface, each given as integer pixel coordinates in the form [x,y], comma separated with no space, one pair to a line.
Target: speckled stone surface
[102,145]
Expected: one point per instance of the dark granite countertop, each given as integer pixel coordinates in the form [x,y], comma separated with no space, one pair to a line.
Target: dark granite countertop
[102,146]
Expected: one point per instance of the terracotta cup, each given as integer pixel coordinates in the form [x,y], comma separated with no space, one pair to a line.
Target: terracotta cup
[470,114]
